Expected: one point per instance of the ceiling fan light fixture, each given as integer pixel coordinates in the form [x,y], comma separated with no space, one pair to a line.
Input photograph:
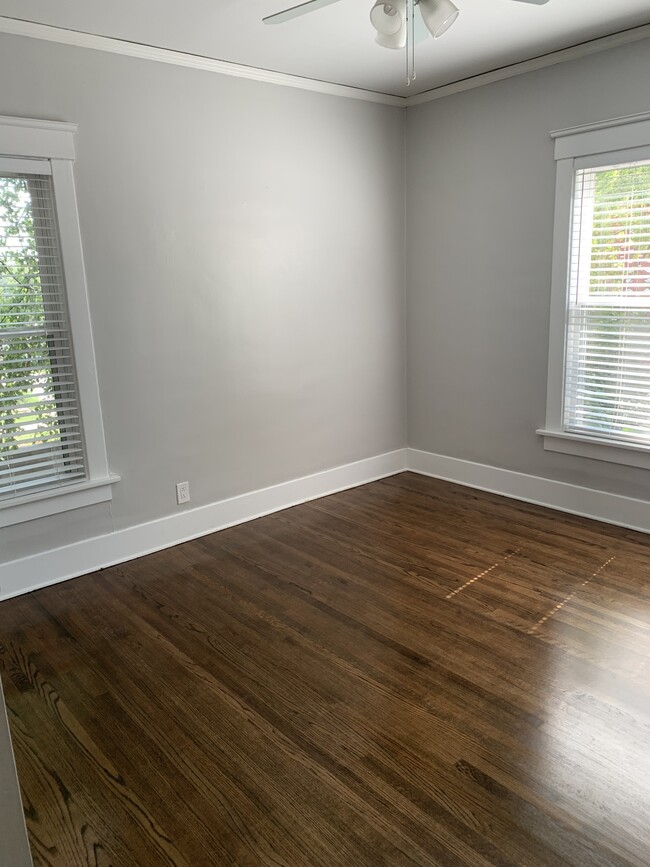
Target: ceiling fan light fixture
[389,20]
[438,15]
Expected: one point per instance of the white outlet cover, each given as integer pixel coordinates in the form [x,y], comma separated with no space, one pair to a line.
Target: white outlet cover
[182,493]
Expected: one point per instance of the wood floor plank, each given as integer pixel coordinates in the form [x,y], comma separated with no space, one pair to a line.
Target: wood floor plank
[408,673]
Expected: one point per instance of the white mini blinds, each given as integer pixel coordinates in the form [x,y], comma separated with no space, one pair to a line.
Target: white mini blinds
[607,364]
[41,443]
[598,398]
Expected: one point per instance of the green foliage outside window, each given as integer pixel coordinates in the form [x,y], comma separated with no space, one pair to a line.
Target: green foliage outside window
[28,415]
[621,233]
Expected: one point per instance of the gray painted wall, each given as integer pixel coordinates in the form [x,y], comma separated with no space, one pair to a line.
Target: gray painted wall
[245,259]
[480,201]
[14,847]
[244,252]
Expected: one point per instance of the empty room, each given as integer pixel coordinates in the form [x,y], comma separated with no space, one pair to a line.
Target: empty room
[325,433]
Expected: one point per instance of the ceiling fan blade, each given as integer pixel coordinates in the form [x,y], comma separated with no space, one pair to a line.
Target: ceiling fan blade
[295,11]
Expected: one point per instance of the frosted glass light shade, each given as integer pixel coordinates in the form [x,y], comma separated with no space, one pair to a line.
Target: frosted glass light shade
[389,20]
[438,15]
[395,40]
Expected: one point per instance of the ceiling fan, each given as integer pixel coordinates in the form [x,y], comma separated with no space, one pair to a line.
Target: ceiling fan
[394,21]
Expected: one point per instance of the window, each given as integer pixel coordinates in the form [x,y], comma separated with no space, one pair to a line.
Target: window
[599,359]
[40,430]
[52,452]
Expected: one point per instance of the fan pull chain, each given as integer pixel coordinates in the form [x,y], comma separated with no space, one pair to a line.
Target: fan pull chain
[410,42]
[412,39]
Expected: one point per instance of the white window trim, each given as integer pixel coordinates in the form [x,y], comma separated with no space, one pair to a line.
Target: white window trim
[617,140]
[22,138]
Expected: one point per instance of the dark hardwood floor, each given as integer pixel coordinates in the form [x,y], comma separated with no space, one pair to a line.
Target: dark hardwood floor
[408,673]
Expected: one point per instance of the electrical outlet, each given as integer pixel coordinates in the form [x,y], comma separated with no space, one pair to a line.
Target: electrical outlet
[182,493]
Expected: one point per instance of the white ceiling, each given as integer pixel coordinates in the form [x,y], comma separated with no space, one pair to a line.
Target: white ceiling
[336,44]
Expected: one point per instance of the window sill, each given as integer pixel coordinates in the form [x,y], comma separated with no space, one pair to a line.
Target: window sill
[57,500]
[630,454]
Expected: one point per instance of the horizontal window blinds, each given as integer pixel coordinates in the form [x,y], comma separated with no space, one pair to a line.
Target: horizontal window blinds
[607,372]
[41,444]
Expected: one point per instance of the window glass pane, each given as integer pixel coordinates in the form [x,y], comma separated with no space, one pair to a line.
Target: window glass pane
[40,432]
[611,234]
[607,375]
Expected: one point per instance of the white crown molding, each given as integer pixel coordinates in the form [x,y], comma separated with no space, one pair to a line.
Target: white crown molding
[20,27]
[585,502]
[51,567]
[49,33]
[635,34]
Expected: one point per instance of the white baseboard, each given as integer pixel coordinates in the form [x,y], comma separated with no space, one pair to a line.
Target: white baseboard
[586,502]
[51,567]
